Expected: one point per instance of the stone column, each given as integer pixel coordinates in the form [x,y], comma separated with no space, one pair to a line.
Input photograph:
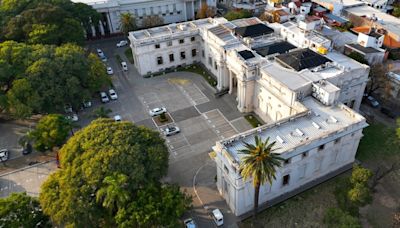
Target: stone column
[93,30]
[194,16]
[101,27]
[230,81]
[110,26]
[219,78]
[184,9]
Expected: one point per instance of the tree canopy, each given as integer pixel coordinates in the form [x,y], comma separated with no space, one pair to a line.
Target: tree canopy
[127,22]
[52,130]
[46,21]
[109,176]
[237,14]
[21,210]
[43,79]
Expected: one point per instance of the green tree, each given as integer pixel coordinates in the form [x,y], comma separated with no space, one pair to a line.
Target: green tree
[260,163]
[105,168]
[336,218]
[52,130]
[360,193]
[396,11]
[152,21]
[101,112]
[21,210]
[127,23]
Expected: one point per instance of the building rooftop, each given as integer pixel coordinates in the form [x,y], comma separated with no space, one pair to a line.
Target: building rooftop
[389,22]
[222,33]
[365,50]
[345,3]
[289,78]
[302,59]
[253,30]
[297,132]
[335,18]
[273,48]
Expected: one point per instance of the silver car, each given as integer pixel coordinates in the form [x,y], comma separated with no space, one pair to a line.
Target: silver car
[113,94]
[110,71]
[104,97]
[124,66]
[172,130]
[157,111]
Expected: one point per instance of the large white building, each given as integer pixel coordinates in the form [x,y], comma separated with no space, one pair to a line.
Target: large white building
[171,11]
[286,74]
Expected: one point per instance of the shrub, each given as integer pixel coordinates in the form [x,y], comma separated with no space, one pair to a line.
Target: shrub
[336,218]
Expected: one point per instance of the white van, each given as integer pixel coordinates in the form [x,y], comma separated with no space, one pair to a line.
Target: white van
[217,217]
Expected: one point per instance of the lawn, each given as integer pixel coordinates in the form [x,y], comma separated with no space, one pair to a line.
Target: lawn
[129,56]
[253,120]
[304,210]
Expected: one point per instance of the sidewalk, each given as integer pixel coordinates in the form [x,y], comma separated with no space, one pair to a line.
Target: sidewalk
[25,161]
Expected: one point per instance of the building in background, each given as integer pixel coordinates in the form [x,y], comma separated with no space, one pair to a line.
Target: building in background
[171,11]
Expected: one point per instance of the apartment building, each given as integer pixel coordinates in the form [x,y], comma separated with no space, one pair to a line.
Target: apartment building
[289,76]
[171,11]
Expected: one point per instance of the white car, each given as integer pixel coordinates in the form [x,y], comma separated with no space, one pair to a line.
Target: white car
[218,217]
[100,52]
[74,117]
[104,97]
[189,223]
[103,58]
[87,104]
[117,118]
[113,94]
[4,155]
[67,108]
[157,111]
[122,43]
[110,71]
[124,66]
[171,131]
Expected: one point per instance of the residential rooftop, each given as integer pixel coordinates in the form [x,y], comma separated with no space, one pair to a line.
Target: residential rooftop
[302,59]
[273,48]
[295,133]
[254,30]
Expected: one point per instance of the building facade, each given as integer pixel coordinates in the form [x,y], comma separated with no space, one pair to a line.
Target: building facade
[289,76]
[171,11]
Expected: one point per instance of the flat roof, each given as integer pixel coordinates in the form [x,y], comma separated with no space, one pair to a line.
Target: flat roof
[273,48]
[222,33]
[366,50]
[336,18]
[253,30]
[302,59]
[291,79]
[320,122]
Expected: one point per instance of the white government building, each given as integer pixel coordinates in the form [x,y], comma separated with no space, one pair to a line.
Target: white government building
[285,73]
[171,11]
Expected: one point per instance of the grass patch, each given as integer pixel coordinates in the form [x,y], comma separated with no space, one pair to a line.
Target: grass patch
[198,69]
[253,120]
[378,142]
[119,59]
[129,56]
[304,210]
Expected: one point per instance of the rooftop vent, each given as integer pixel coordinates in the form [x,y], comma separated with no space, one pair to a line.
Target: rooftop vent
[280,139]
[299,132]
[333,119]
[316,125]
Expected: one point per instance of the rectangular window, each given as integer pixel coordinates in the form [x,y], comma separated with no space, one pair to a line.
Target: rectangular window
[226,169]
[159,60]
[157,46]
[285,180]
[181,41]
[169,43]
[203,55]
[171,57]
[194,52]
[215,65]
[192,38]
[287,161]
[183,55]
[210,61]
[179,12]
[304,154]
[321,147]
[337,140]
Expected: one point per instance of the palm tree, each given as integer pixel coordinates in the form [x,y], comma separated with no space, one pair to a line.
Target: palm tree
[127,22]
[113,194]
[101,112]
[260,163]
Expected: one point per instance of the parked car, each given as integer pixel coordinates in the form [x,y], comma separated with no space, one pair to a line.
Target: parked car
[117,118]
[103,58]
[373,102]
[124,66]
[388,112]
[27,149]
[171,130]
[157,111]
[110,71]
[217,217]
[100,52]
[122,43]
[113,94]
[67,108]
[74,117]
[87,104]
[4,155]
[104,97]
[189,223]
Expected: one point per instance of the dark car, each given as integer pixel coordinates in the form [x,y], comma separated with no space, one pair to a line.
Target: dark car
[27,149]
[388,112]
